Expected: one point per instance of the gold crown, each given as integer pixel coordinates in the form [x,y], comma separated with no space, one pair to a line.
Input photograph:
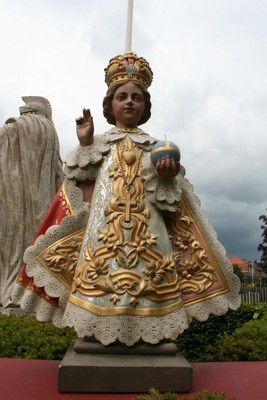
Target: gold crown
[128,66]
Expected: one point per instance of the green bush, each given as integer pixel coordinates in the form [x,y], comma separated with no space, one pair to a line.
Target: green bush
[247,343]
[203,395]
[25,337]
[237,336]
[201,341]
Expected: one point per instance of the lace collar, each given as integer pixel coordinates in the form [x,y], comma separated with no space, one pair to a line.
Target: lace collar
[137,135]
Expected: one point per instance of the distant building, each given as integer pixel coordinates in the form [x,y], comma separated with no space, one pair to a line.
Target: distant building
[251,270]
[242,264]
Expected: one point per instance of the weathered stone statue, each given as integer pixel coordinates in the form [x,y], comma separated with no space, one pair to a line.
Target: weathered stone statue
[30,175]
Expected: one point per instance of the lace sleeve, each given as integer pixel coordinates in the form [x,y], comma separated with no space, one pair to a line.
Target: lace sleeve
[165,194]
[82,162]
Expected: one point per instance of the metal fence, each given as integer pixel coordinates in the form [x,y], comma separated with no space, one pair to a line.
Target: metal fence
[254,292]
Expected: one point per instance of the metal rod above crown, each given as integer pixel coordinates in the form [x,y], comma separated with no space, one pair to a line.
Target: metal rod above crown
[129,25]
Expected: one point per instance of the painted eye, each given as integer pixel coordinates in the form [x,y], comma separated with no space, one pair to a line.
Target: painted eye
[119,97]
[137,98]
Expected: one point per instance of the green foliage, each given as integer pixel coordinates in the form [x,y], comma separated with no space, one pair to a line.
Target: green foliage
[208,395]
[263,246]
[156,395]
[237,336]
[25,337]
[238,272]
[201,341]
[247,343]
[203,395]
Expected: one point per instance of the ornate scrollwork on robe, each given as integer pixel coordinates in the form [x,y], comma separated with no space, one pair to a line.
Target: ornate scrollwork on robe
[142,271]
[61,257]
[198,271]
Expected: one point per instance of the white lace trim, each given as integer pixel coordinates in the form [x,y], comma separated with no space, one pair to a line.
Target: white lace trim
[125,328]
[82,162]
[75,196]
[41,276]
[32,303]
[218,305]
[28,300]
[165,194]
[82,156]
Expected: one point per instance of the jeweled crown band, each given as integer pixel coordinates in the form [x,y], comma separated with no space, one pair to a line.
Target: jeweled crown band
[128,66]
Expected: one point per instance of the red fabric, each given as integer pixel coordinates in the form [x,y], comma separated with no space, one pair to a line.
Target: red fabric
[58,209]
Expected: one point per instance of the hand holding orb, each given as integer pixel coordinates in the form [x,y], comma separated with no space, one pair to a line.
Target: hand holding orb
[165,156]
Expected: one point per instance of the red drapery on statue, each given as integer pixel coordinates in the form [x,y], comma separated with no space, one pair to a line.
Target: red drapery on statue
[59,208]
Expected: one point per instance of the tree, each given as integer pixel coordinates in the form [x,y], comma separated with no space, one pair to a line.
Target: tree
[263,246]
[238,272]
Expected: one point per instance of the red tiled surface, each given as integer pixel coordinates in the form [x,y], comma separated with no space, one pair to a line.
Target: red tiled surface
[37,380]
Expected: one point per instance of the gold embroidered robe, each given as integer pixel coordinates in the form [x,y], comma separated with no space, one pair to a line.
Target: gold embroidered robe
[138,263]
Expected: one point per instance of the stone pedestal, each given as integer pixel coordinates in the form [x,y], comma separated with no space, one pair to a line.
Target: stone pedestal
[93,368]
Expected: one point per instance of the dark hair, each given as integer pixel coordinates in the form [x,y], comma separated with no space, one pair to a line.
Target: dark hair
[109,97]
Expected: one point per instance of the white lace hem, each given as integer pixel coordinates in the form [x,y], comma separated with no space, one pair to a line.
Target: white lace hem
[125,328]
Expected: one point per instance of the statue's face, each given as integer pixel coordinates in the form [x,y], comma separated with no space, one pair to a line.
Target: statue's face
[29,108]
[128,105]
[33,108]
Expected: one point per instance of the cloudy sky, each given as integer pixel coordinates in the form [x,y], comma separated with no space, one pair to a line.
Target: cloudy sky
[209,92]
